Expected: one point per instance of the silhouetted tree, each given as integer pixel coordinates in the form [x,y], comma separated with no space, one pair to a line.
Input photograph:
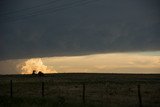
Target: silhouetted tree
[40,73]
[33,72]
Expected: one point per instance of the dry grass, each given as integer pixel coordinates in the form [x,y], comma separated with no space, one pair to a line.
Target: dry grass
[112,90]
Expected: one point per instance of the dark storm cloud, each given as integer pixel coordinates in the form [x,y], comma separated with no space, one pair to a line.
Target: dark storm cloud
[36,29]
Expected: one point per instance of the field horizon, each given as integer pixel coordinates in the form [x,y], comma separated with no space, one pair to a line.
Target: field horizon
[77,89]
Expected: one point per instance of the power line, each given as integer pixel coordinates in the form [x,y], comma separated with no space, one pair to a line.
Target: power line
[65,6]
[29,8]
[20,14]
[52,9]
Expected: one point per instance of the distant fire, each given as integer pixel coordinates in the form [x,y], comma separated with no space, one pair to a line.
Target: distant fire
[35,64]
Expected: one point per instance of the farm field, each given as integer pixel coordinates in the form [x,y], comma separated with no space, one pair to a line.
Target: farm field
[80,89]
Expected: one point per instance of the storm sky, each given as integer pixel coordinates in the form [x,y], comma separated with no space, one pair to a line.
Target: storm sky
[36,28]
[55,28]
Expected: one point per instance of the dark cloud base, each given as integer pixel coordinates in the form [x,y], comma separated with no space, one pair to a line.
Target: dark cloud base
[100,27]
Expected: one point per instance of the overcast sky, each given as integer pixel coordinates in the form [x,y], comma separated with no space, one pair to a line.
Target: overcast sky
[54,28]
[38,28]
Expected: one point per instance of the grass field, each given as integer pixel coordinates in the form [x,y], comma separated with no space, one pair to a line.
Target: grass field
[66,90]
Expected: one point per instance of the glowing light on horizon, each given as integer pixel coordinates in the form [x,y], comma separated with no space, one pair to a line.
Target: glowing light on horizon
[137,62]
[34,64]
[107,63]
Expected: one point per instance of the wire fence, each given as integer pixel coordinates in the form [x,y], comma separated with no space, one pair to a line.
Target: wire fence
[102,93]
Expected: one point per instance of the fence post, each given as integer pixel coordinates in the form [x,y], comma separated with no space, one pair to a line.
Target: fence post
[84,88]
[11,89]
[42,89]
[139,96]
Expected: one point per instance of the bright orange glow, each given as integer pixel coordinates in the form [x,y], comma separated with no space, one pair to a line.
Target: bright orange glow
[34,64]
[107,63]
[138,62]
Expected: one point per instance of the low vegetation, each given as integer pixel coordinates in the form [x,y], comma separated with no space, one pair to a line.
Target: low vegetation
[66,90]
